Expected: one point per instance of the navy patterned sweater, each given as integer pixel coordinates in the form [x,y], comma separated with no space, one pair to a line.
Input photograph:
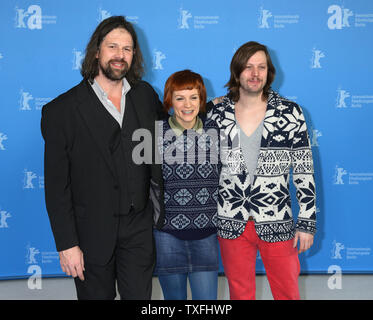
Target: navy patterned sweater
[190,171]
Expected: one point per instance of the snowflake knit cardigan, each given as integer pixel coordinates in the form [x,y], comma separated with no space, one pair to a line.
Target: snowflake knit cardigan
[285,144]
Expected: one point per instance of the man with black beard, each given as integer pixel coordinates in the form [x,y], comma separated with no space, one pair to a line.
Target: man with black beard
[97,197]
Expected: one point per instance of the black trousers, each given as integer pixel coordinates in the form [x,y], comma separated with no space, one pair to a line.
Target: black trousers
[131,266]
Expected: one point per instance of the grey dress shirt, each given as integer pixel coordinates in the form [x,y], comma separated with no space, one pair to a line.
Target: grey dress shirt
[102,95]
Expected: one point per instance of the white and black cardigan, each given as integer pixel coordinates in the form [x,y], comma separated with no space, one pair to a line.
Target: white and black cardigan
[285,144]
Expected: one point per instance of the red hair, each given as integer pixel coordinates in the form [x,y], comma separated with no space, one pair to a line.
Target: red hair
[184,80]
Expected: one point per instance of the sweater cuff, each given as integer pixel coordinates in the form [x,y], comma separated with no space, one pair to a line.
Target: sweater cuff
[305,225]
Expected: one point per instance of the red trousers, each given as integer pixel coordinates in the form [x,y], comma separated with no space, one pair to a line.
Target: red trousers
[280,261]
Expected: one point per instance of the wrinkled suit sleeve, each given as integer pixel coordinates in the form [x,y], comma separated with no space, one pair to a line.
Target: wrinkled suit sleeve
[57,178]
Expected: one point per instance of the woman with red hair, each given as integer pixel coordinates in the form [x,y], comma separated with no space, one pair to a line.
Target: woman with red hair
[186,203]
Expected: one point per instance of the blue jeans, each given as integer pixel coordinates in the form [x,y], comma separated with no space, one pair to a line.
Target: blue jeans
[203,284]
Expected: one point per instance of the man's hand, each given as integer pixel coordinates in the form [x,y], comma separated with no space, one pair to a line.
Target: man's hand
[72,262]
[305,241]
[217,100]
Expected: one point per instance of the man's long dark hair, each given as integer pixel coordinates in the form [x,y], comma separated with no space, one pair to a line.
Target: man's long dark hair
[90,63]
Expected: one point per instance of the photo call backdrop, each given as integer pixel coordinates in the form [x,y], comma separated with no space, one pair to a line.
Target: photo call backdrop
[322,51]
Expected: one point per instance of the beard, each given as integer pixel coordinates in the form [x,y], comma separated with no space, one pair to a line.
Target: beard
[113,74]
[257,90]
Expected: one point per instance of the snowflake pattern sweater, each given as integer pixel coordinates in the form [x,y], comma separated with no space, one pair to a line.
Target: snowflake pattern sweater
[284,146]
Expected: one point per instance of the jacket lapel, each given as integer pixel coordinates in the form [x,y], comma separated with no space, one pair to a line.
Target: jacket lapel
[138,115]
[89,109]
[130,111]
[136,103]
[228,121]
[270,121]
[271,118]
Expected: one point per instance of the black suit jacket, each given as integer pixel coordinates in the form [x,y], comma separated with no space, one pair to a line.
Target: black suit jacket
[81,185]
